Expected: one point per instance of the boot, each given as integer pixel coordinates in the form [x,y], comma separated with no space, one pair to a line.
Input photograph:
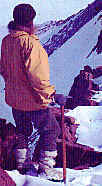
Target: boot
[20,158]
[46,165]
[24,163]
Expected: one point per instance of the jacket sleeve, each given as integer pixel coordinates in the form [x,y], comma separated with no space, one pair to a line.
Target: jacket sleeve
[37,69]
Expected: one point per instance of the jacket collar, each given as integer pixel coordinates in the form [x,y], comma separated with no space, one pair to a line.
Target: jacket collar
[18,33]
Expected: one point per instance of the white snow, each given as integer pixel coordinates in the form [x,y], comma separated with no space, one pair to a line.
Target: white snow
[90,130]
[5,110]
[86,177]
[21,180]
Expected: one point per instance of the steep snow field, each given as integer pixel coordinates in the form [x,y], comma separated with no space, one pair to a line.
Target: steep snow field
[66,62]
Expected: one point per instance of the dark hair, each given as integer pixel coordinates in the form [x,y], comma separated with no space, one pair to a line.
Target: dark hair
[87,68]
[22,14]
[12,25]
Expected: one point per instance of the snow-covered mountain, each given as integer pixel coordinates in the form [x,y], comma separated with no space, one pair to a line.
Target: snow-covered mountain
[56,33]
[68,42]
[67,61]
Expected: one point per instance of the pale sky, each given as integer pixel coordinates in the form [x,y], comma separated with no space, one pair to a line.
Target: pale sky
[46,9]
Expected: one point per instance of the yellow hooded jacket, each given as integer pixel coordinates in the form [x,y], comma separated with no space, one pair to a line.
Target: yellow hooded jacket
[24,66]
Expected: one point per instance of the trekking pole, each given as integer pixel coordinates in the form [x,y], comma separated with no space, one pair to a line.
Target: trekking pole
[63,143]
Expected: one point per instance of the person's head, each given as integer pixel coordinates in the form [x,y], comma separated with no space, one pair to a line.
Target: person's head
[82,72]
[23,15]
[88,72]
[87,68]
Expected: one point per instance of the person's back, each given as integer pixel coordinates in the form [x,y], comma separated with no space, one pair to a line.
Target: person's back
[79,87]
[24,66]
[82,90]
[20,50]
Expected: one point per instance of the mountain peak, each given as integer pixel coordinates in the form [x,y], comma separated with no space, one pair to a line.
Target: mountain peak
[60,31]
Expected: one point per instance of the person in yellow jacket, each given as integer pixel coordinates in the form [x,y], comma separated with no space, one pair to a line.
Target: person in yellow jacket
[24,66]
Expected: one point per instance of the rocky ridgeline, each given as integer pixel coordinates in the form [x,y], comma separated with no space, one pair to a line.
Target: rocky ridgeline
[58,32]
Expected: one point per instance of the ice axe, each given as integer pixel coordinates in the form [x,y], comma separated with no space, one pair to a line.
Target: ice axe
[64,143]
[60,99]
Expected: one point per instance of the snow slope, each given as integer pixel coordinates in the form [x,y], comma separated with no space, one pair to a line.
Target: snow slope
[86,177]
[90,120]
[67,61]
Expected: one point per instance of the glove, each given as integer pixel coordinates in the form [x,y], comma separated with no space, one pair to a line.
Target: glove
[60,99]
